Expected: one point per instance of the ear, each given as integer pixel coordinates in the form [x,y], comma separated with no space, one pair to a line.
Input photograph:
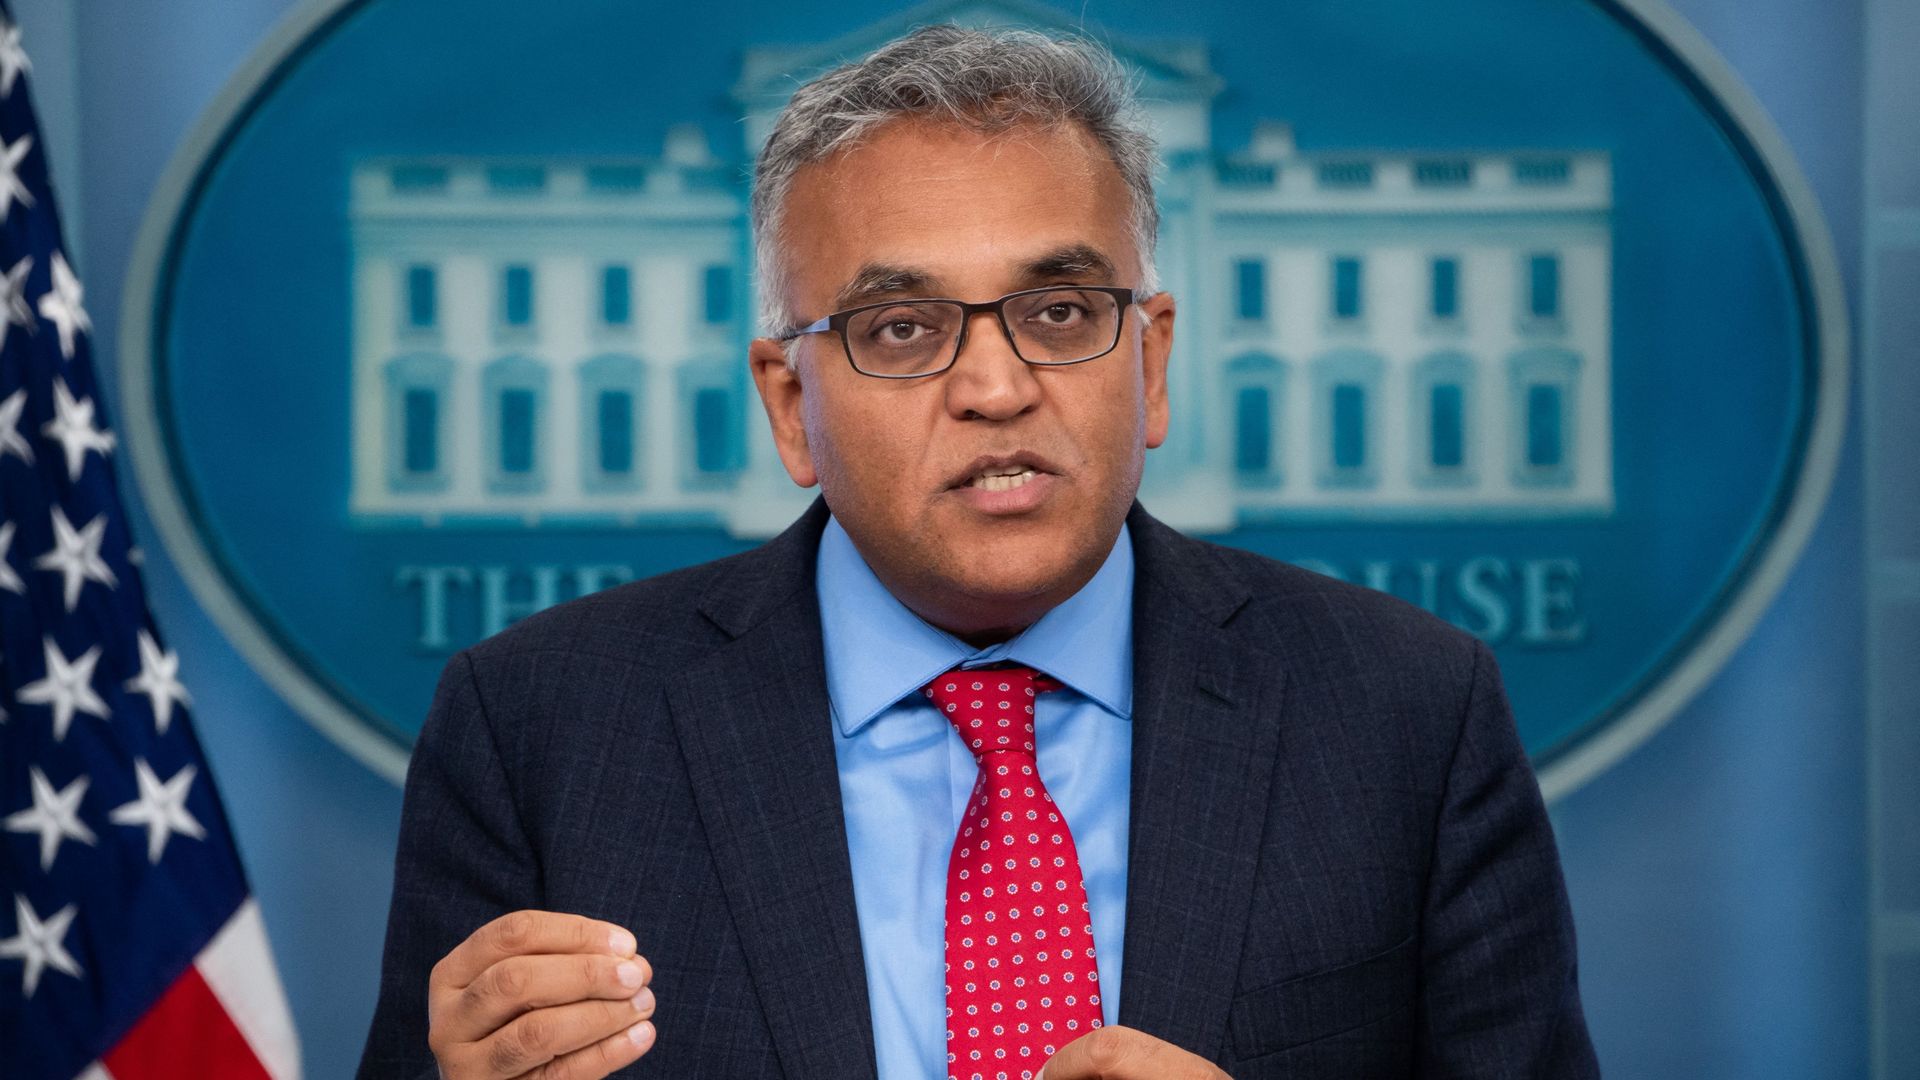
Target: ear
[781,393]
[1156,345]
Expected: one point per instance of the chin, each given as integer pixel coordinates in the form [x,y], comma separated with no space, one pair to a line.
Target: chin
[1012,572]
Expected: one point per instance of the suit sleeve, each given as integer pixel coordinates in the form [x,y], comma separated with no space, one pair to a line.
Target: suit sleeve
[463,860]
[1499,993]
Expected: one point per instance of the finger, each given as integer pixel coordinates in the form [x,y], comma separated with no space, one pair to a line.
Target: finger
[543,1035]
[1123,1053]
[604,1057]
[520,984]
[525,932]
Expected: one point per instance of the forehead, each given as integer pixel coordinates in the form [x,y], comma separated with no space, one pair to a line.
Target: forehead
[967,207]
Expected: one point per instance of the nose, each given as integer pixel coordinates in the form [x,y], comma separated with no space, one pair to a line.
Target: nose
[988,380]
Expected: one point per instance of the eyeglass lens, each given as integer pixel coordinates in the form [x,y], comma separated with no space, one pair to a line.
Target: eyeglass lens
[916,337]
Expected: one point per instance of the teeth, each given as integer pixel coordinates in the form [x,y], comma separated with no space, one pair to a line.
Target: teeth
[1002,481]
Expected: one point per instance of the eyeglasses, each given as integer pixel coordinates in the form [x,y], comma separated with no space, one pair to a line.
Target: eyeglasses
[910,339]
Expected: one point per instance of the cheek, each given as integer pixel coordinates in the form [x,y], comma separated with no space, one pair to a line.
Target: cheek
[862,445]
[1110,419]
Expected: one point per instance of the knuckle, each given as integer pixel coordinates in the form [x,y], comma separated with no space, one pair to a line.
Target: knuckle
[596,973]
[588,936]
[606,1055]
[514,931]
[598,1060]
[506,982]
[1106,1050]
[506,1054]
[536,1031]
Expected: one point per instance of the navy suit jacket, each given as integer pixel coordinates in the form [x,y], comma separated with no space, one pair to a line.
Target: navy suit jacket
[1340,864]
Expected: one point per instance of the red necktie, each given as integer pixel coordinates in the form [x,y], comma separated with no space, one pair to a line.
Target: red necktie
[1021,977]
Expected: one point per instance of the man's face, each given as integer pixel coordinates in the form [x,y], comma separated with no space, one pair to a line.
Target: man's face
[917,470]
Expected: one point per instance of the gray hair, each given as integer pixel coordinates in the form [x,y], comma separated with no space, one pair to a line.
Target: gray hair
[990,80]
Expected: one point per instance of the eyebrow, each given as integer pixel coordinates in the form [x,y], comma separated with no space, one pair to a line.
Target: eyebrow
[876,281]
[1074,260]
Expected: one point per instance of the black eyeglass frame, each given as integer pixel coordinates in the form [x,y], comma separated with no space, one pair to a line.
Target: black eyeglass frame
[837,323]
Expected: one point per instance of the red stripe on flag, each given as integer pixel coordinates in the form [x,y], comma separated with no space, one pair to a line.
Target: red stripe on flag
[187,1035]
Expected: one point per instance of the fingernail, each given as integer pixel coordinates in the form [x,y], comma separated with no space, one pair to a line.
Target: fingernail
[644,999]
[621,942]
[641,1034]
[628,974]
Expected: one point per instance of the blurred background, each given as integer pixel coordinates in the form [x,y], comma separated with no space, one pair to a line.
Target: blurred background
[1635,211]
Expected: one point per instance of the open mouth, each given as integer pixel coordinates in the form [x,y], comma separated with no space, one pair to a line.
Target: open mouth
[1001,478]
[1005,483]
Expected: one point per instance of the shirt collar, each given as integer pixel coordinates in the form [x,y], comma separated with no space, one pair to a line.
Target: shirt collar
[878,651]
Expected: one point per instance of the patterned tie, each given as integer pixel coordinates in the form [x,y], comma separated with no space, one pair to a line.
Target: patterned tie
[1021,977]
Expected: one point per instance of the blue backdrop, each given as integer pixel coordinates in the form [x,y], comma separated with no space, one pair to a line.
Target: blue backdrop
[1718,873]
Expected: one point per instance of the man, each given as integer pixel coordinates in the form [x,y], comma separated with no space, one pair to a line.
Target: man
[977,770]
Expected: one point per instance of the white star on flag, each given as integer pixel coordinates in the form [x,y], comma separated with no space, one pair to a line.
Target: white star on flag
[11,441]
[67,688]
[11,189]
[9,580]
[55,815]
[161,807]
[60,305]
[159,679]
[13,297]
[40,944]
[72,426]
[13,59]
[173,948]
[76,555]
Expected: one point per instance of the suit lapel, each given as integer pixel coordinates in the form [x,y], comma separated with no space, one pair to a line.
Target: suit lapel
[1205,734]
[753,723]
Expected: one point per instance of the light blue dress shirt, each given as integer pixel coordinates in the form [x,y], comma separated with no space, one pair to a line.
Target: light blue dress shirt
[898,756]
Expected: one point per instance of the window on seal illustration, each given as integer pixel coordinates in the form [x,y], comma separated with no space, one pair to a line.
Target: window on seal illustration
[612,403]
[1442,420]
[1542,172]
[417,387]
[517,179]
[516,296]
[616,296]
[1345,174]
[1348,298]
[1541,282]
[712,445]
[1250,290]
[1443,298]
[1346,404]
[1446,427]
[1443,173]
[716,289]
[419,179]
[514,389]
[1257,388]
[422,298]
[1543,404]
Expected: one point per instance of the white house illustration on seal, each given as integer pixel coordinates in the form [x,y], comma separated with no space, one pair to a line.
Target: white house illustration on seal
[1363,334]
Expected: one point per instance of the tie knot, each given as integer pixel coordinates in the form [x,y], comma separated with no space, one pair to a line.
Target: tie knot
[992,708]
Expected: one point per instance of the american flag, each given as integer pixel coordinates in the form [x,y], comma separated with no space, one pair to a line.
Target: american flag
[130,946]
